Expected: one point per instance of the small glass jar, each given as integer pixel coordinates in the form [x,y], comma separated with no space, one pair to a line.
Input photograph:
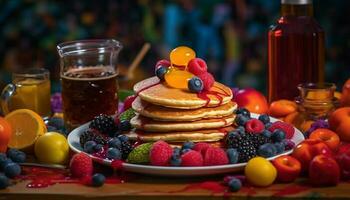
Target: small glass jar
[316,101]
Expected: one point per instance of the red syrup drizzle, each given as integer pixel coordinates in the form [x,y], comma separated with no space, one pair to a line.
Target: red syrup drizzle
[147,87]
[204,95]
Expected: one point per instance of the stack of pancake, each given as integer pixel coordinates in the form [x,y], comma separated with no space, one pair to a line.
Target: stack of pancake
[176,115]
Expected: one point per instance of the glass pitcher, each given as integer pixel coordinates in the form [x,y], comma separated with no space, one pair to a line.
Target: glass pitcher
[89,79]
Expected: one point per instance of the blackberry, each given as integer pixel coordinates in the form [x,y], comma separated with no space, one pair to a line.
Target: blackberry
[236,140]
[104,124]
[125,149]
[90,135]
[246,152]
[258,139]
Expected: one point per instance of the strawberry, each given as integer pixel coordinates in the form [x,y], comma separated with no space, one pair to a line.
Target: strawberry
[160,153]
[128,102]
[285,127]
[201,147]
[197,66]
[207,79]
[191,158]
[81,165]
[254,126]
[215,156]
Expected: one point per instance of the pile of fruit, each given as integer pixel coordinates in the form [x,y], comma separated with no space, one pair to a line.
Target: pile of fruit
[185,71]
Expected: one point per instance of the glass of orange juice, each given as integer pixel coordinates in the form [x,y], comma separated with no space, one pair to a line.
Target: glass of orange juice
[29,89]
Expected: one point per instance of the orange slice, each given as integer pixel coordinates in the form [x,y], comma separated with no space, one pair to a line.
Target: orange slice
[177,78]
[27,126]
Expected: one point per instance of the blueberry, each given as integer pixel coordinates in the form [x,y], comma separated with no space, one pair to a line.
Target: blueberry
[51,128]
[4,181]
[266,133]
[187,145]
[177,151]
[267,150]
[3,157]
[56,122]
[288,144]
[240,120]
[183,151]
[123,138]
[278,135]
[161,71]
[279,147]
[98,147]
[235,184]
[231,135]
[195,84]
[125,125]
[4,163]
[11,152]
[268,125]
[241,129]
[175,161]
[115,143]
[264,118]
[12,169]
[243,111]
[232,155]
[98,180]
[19,157]
[89,146]
[113,153]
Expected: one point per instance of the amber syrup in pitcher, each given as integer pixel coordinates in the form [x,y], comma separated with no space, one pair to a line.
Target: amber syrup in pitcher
[295,50]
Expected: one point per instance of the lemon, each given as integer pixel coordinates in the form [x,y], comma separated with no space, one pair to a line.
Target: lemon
[27,126]
[52,148]
[260,172]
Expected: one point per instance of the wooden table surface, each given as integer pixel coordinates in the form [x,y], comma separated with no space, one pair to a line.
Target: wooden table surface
[147,187]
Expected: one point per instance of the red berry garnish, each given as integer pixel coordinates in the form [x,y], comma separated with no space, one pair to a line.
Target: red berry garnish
[285,127]
[163,62]
[128,102]
[254,126]
[207,79]
[197,66]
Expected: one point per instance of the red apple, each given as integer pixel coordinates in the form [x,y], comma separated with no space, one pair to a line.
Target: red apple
[252,100]
[308,149]
[343,159]
[288,168]
[324,171]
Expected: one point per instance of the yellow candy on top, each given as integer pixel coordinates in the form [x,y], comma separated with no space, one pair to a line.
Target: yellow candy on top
[180,56]
[177,78]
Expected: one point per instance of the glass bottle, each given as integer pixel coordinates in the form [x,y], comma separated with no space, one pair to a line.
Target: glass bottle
[295,50]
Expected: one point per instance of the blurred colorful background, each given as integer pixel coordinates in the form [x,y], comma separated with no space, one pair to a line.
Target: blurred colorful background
[230,35]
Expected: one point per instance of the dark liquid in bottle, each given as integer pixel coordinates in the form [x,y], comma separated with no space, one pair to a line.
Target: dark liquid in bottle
[86,93]
[296,52]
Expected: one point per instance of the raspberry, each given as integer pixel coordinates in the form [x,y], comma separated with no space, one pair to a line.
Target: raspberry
[160,153]
[215,156]
[208,80]
[191,158]
[285,127]
[254,126]
[163,62]
[128,101]
[201,147]
[81,165]
[197,66]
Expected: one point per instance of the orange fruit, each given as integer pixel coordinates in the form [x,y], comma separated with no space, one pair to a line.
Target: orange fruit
[181,55]
[329,137]
[27,126]
[283,107]
[5,134]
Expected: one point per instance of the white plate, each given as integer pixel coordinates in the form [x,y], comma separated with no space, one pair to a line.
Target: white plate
[73,140]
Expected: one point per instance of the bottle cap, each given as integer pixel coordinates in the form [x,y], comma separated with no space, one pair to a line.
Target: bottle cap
[296,2]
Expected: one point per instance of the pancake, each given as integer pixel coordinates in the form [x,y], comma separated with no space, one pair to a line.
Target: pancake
[212,135]
[156,92]
[150,125]
[173,114]
[213,144]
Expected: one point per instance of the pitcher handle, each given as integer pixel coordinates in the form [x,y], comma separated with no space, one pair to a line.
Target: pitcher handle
[7,93]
